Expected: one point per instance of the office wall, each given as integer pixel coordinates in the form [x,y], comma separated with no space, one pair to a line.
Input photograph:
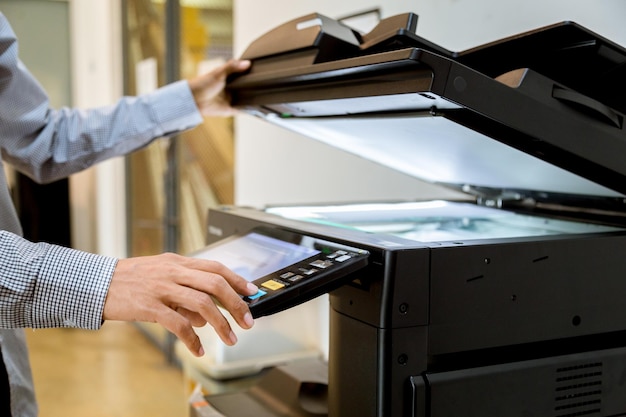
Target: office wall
[279,167]
[461,24]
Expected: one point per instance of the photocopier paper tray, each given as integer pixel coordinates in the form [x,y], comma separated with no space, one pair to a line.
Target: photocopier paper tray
[507,303]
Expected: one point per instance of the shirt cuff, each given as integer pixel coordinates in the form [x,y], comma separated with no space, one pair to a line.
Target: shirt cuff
[174,108]
[72,289]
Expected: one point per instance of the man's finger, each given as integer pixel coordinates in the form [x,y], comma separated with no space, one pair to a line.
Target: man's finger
[200,303]
[194,318]
[182,328]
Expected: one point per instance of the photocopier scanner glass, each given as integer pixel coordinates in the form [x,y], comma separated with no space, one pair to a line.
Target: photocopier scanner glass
[432,221]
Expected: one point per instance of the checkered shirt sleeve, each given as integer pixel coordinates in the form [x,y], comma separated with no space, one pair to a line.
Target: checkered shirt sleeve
[43,285]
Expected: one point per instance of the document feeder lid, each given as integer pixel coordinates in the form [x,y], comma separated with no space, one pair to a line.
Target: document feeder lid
[538,115]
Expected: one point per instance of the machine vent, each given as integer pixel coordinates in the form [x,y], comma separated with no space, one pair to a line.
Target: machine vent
[578,390]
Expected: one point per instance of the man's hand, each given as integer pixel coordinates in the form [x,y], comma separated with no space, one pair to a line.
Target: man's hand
[178,292]
[208,89]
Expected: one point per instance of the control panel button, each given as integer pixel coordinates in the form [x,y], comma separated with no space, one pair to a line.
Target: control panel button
[295,278]
[273,285]
[343,258]
[258,294]
[321,263]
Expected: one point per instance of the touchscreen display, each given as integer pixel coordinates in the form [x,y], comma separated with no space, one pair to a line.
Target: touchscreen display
[255,255]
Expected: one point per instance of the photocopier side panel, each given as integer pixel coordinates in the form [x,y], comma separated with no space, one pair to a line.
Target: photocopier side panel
[370,368]
[584,384]
[379,337]
[526,291]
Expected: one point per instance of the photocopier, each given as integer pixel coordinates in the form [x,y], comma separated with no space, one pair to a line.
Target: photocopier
[509,303]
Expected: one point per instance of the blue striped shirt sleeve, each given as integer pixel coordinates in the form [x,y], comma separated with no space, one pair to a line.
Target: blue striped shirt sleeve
[47,144]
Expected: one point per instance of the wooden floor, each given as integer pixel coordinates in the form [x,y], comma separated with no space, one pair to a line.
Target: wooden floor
[113,372]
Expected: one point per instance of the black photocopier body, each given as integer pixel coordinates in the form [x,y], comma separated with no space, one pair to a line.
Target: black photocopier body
[510,303]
